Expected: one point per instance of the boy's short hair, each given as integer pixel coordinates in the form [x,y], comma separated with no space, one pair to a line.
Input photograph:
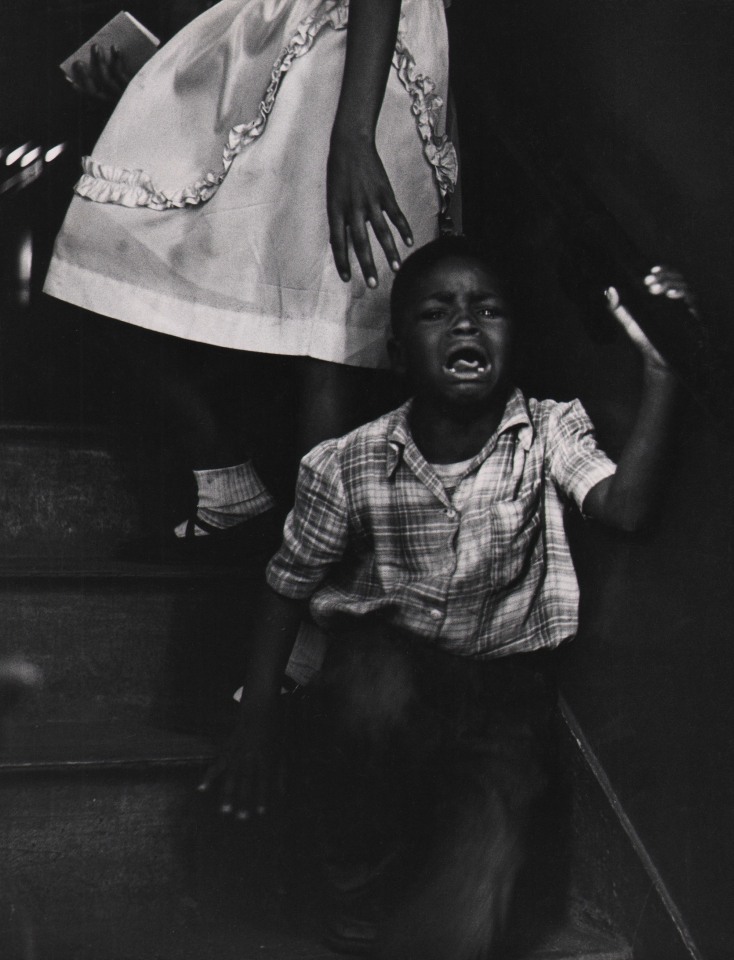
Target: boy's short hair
[426,257]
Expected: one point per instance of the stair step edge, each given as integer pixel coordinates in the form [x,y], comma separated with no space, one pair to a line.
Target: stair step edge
[102,568]
[97,745]
[579,941]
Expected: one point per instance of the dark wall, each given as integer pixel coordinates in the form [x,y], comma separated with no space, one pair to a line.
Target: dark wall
[632,102]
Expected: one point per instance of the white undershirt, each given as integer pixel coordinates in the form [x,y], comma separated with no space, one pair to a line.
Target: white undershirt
[458,490]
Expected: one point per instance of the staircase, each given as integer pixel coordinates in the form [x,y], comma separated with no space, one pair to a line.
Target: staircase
[109,852]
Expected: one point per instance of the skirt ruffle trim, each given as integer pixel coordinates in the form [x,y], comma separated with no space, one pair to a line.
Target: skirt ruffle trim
[105,183]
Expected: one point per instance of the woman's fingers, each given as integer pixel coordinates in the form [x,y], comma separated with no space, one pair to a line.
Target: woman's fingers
[385,238]
[398,218]
[102,74]
[119,73]
[339,244]
[363,250]
[84,82]
[104,77]
[361,201]
[357,231]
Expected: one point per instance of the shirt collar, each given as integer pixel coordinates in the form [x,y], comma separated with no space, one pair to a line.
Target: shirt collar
[516,414]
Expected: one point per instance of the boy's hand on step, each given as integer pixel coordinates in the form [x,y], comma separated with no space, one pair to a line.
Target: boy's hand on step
[359,193]
[660,282]
[245,773]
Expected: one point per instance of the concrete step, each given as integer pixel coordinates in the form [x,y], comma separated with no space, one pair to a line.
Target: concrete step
[189,931]
[120,640]
[114,855]
[576,941]
[63,491]
[66,747]
[93,813]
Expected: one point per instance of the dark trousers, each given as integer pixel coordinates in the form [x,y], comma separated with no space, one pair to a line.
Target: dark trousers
[426,773]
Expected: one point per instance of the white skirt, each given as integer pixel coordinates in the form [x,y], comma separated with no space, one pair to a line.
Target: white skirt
[202,212]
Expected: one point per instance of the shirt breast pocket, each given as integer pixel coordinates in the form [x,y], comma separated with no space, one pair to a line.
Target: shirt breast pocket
[514,531]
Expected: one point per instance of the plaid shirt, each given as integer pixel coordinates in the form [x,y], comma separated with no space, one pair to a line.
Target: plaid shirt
[374,530]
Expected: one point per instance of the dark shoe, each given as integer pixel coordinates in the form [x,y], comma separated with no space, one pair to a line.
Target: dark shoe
[257,537]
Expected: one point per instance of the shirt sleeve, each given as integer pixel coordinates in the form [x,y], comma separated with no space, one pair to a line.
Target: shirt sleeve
[574,460]
[315,533]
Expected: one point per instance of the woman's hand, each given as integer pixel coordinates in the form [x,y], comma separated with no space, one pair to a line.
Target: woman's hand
[104,78]
[359,193]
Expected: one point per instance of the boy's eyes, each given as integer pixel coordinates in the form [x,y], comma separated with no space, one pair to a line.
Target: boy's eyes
[486,312]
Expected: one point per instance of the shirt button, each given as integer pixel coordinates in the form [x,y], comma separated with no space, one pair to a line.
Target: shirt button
[436,615]
[451,514]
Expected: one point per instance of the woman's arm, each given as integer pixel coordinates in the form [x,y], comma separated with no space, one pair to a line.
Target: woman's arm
[358,189]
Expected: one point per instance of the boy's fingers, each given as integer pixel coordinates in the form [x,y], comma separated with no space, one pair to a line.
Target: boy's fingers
[227,795]
[243,804]
[633,330]
[264,789]
[672,284]
[625,318]
[661,278]
[212,774]
[612,297]
[666,276]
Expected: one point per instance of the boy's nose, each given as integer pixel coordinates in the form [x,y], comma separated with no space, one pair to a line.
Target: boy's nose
[463,322]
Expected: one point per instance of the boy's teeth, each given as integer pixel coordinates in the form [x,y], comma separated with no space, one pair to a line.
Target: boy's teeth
[459,365]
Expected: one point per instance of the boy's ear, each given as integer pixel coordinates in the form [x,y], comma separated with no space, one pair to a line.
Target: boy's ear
[396,354]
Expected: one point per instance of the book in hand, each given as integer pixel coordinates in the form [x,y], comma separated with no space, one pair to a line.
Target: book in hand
[134,42]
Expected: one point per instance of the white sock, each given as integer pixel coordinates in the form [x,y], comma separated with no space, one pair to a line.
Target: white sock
[228,496]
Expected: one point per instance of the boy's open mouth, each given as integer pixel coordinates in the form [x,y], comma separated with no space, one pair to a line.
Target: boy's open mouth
[466,362]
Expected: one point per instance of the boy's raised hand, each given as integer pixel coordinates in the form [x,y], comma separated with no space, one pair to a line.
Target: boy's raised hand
[660,282]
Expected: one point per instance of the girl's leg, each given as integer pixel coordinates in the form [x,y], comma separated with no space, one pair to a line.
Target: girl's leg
[199,399]
[335,398]
[202,437]
[183,397]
